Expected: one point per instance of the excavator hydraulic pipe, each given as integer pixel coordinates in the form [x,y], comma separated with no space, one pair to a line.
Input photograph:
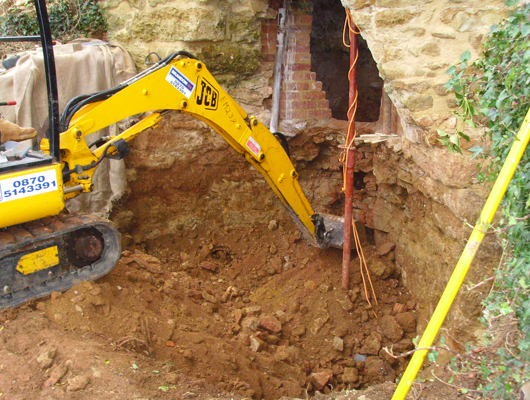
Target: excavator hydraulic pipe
[490,208]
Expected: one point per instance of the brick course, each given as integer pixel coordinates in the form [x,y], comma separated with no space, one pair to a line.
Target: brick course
[301,96]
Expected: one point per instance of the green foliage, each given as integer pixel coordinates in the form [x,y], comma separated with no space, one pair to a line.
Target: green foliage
[460,83]
[68,19]
[496,88]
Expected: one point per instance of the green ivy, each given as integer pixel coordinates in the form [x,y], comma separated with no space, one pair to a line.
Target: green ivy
[68,19]
[495,90]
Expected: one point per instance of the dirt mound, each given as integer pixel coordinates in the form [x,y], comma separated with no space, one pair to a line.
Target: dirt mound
[231,313]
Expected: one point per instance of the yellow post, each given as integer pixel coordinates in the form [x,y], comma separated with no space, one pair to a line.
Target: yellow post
[460,271]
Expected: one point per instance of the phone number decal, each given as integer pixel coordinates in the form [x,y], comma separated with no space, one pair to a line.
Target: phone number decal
[27,185]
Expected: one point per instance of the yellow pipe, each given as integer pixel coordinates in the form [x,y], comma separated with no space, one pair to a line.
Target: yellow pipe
[460,271]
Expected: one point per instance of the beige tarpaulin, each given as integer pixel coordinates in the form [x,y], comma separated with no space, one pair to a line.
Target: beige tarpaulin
[84,67]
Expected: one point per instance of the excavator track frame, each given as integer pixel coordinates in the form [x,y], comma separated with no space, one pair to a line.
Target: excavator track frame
[51,243]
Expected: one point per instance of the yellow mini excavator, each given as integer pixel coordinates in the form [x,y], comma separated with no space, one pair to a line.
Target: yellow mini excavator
[42,248]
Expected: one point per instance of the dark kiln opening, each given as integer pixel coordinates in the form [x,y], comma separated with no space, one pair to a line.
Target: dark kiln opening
[330,59]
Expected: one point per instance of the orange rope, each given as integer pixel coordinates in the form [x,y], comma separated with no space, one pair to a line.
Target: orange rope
[352,110]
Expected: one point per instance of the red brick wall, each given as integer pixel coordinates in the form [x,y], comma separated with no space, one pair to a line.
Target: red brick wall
[301,96]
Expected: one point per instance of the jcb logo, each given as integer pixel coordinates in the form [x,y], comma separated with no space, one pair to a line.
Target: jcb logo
[207,95]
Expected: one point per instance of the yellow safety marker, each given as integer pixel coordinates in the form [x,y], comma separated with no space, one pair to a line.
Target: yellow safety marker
[38,260]
[460,271]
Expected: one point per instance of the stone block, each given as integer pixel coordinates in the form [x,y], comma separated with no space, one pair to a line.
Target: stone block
[431,49]
[392,18]
[418,102]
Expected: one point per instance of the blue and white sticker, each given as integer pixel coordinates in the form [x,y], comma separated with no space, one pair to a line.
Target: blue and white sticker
[180,82]
[28,185]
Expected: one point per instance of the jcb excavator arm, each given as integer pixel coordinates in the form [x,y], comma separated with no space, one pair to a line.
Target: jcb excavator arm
[187,86]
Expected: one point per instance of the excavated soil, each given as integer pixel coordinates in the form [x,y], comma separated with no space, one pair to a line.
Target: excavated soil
[209,303]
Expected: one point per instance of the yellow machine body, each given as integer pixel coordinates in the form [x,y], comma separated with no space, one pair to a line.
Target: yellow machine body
[30,194]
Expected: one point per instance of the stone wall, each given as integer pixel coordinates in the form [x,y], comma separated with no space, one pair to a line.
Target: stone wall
[427,198]
[225,33]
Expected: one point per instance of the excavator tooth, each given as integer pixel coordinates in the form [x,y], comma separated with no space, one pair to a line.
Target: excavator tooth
[334,226]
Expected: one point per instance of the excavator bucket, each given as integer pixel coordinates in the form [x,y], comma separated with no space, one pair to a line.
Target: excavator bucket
[334,226]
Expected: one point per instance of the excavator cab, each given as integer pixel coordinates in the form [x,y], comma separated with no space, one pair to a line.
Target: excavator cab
[31,180]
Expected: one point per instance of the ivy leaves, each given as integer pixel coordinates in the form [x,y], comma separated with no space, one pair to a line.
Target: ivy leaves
[494,91]
[68,18]
[460,84]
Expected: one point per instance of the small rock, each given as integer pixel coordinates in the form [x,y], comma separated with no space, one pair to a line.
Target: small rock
[385,248]
[359,358]
[243,338]
[41,306]
[273,249]
[254,310]
[96,291]
[294,306]
[229,294]
[45,359]
[273,225]
[381,267]
[238,314]
[375,366]
[399,308]
[270,323]
[372,344]
[298,330]
[310,285]
[57,373]
[320,379]
[171,378]
[170,343]
[285,354]
[407,320]
[77,383]
[55,296]
[209,298]
[403,346]
[351,375]
[324,288]
[99,301]
[256,344]
[338,343]
[288,266]
[337,369]
[318,323]
[210,266]
[188,354]
[344,302]
[251,323]
[276,263]
[391,328]
[78,299]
